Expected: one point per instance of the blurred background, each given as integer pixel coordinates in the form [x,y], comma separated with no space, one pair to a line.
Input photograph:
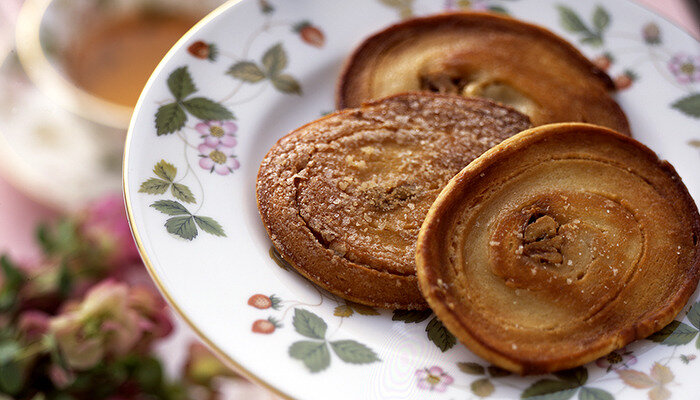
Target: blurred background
[79,317]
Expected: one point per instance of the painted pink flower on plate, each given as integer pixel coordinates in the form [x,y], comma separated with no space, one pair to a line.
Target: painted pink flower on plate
[616,360]
[685,68]
[218,133]
[217,159]
[433,379]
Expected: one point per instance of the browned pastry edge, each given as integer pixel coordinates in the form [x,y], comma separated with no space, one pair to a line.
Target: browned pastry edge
[438,299]
[368,46]
[370,287]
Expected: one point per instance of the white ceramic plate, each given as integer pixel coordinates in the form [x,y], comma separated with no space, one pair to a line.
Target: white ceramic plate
[190,185]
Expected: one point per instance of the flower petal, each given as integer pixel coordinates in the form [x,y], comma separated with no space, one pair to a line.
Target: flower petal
[233,163]
[206,163]
[222,169]
[435,370]
[205,149]
[211,141]
[228,141]
[202,128]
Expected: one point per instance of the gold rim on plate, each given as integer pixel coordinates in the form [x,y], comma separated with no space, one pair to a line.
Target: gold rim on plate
[233,364]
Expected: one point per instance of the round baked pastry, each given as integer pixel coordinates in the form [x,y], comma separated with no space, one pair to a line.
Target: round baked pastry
[558,246]
[343,197]
[477,54]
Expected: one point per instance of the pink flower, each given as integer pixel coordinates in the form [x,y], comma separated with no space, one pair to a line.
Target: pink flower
[105,223]
[33,324]
[218,133]
[60,377]
[685,68]
[154,320]
[616,360]
[433,378]
[101,325]
[218,158]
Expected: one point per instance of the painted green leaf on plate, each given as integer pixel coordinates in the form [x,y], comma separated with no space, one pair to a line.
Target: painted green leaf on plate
[578,375]
[601,19]
[343,311]
[170,207]
[482,387]
[206,109]
[498,372]
[209,225]
[309,324]
[689,105]
[409,316]
[694,315]
[182,193]
[286,84]
[180,83]
[363,309]
[587,393]
[274,60]
[170,118]
[674,334]
[471,368]
[314,355]
[154,186]
[438,334]
[353,352]
[246,71]
[570,20]
[550,389]
[182,226]
[165,170]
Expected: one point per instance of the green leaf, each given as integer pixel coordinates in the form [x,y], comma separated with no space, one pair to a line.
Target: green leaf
[471,368]
[8,351]
[498,372]
[601,19]
[274,60]
[594,40]
[11,378]
[587,393]
[309,324]
[409,316]
[209,225]
[549,389]
[65,280]
[206,109]
[165,170]
[438,334]
[694,314]
[182,192]
[180,83]
[578,375]
[286,84]
[315,355]
[343,311]
[674,334]
[149,375]
[697,343]
[246,71]
[570,20]
[12,275]
[170,118]
[182,226]
[154,186]
[353,352]
[170,207]
[482,387]
[498,10]
[362,309]
[689,105]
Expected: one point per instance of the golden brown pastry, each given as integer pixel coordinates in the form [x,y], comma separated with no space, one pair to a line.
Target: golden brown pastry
[476,54]
[557,246]
[343,197]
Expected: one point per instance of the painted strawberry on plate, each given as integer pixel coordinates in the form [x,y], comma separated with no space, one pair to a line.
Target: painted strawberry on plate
[310,34]
[265,326]
[263,302]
